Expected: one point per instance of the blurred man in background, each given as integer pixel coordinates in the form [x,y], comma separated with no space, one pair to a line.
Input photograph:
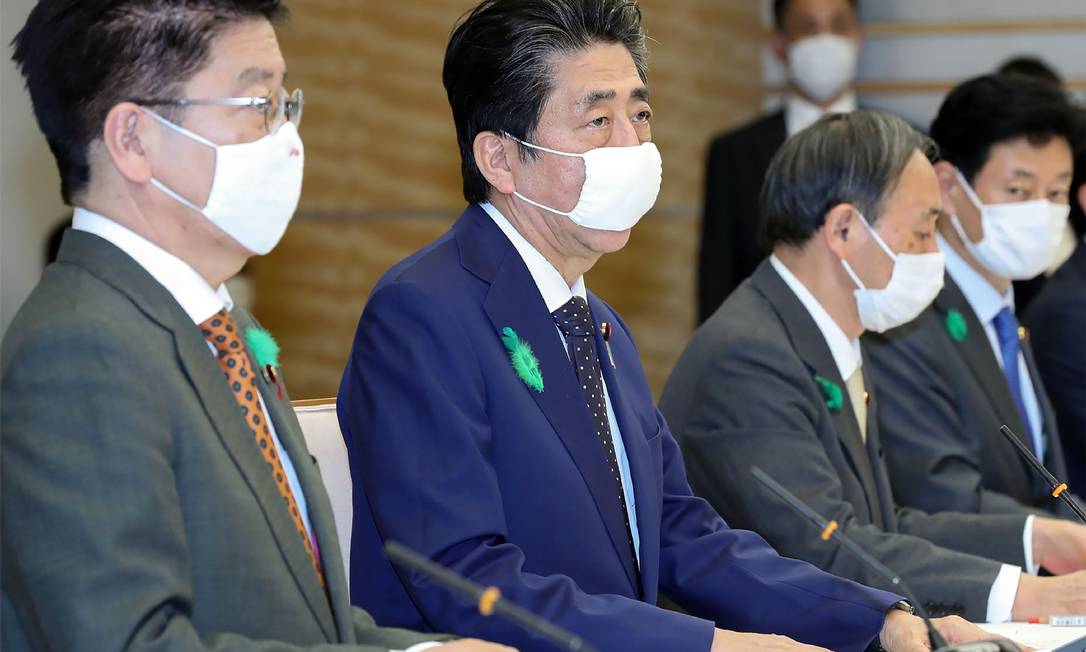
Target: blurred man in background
[819,42]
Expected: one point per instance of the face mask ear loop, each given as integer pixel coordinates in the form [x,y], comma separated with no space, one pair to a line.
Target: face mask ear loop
[540,148]
[878,238]
[181,130]
[855,279]
[969,192]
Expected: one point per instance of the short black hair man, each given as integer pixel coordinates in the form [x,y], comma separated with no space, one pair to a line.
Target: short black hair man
[966,367]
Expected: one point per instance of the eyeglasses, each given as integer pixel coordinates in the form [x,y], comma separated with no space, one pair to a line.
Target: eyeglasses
[278,106]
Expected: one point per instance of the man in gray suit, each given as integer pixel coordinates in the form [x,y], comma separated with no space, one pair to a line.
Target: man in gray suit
[157,492]
[776,379]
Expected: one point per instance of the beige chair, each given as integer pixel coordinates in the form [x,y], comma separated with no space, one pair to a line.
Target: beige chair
[325,442]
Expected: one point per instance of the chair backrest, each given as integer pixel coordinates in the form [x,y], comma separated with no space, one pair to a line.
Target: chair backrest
[320,426]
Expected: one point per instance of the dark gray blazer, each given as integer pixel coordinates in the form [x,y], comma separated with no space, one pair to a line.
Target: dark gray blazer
[744,394]
[942,403]
[137,512]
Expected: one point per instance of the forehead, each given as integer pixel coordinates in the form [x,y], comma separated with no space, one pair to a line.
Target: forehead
[1019,155]
[603,66]
[917,188]
[243,54]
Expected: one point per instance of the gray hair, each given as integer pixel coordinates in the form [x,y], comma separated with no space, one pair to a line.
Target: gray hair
[854,158]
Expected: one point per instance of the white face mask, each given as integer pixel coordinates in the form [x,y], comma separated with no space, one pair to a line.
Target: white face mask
[620,186]
[256,186]
[822,66]
[914,284]
[1020,239]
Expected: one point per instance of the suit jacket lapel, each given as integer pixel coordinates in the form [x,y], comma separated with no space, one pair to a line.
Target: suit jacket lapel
[888,516]
[977,352]
[514,301]
[811,346]
[336,604]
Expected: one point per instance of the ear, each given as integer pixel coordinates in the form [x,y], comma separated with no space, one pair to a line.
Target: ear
[1080,195]
[841,230]
[127,134]
[948,184]
[492,154]
[779,46]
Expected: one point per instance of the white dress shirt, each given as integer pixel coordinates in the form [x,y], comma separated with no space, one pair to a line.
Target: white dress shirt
[846,353]
[800,114]
[555,294]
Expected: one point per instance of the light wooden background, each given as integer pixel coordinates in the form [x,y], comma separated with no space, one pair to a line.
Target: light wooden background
[382,168]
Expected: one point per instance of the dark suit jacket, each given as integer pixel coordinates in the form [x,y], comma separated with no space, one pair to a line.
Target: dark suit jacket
[1057,324]
[514,489]
[744,394]
[138,513]
[730,246]
[943,402]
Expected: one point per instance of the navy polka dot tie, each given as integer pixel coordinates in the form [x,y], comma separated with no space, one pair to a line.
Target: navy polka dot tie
[222,333]
[575,321]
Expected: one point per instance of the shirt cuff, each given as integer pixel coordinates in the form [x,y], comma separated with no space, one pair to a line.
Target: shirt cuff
[1031,567]
[1004,591]
[419,647]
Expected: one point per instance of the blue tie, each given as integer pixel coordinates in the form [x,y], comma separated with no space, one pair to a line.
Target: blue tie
[1006,327]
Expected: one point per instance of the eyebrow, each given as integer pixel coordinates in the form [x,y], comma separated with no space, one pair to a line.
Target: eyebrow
[254,74]
[1019,172]
[593,97]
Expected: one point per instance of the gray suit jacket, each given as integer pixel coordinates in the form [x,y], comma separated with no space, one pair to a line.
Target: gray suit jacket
[137,512]
[744,394]
[943,402]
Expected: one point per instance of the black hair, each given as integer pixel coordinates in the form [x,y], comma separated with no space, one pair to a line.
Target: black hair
[498,65]
[855,158]
[81,58]
[1078,178]
[1033,67]
[780,7]
[992,109]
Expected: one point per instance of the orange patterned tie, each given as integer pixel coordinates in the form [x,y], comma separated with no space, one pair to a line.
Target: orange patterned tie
[222,333]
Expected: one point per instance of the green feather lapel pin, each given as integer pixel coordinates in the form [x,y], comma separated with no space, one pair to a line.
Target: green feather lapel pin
[266,352]
[524,361]
[956,326]
[832,393]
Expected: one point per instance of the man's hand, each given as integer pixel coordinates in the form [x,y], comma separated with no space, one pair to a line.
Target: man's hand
[958,630]
[728,641]
[1040,597]
[1059,546]
[473,645]
[907,633]
[904,632]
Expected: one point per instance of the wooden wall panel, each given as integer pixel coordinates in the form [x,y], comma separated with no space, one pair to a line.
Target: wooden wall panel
[382,175]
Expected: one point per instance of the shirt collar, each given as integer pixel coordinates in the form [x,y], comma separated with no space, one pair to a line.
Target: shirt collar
[846,353]
[800,114]
[189,289]
[547,278]
[985,301]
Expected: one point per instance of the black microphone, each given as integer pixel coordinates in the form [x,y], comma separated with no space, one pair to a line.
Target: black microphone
[488,599]
[1059,489]
[830,530]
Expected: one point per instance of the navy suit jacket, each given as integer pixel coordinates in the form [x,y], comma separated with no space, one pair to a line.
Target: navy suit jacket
[1057,322]
[454,456]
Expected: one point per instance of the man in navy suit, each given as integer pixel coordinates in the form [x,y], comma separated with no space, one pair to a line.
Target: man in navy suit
[495,412]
